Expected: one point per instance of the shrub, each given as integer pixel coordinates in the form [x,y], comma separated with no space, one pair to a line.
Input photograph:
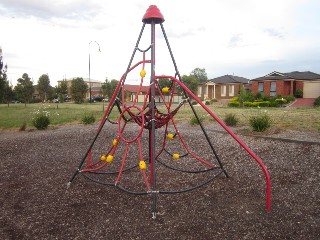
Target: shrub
[274,103]
[298,93]
[88,119]
[260,123]
[230,119]
[214,100]
[247,104]
[249,97]
[317,102]
[255,104]
[41,121]
[281,101]
[233,104]
[194,120]
[264,104]
[194,103]
[41,118]
[290,98]
[259,95]
[207,103]
[261,103]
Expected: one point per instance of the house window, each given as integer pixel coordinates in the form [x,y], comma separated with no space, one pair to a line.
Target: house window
[223,91]
[231,90]
[273,89]
[260,87]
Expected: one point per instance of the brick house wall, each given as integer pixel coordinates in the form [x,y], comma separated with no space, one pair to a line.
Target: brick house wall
[283,88]
[227,96]
[218,92]
[210,92]
[286,90]
[254,87]
[287,84]
[280,87]
[299,85]
[266,88]
[218,87]
[237,89]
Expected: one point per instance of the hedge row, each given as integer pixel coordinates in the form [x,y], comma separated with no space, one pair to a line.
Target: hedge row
[258,103]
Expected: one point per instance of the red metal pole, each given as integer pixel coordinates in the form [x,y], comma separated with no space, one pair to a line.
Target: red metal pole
[242,144]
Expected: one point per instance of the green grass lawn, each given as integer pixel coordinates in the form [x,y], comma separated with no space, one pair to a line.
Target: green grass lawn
[17,115]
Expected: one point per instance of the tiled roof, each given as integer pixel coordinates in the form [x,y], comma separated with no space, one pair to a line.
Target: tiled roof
[290,76]
[229,79]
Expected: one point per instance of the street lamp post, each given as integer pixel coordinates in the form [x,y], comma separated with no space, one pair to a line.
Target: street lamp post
[90,68]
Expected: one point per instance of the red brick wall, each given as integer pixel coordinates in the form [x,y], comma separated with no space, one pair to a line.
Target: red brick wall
[299,85]
[287,86]
[254,87]
[266,88]
[283,87]
[280,88]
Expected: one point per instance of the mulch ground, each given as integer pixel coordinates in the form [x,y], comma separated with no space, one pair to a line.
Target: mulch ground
[36,204]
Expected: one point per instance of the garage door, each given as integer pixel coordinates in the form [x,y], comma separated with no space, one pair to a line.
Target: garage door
[311,89]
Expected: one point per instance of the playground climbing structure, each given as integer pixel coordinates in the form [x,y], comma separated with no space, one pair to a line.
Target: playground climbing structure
[141,146]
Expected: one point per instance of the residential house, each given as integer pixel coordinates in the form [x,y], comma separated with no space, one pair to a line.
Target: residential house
[95,87]
[133,90]
[224,87]
[287,84]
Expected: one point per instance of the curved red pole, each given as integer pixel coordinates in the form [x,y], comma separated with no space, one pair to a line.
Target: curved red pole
[115,93]
[187,148]
[235,137]
[122,165]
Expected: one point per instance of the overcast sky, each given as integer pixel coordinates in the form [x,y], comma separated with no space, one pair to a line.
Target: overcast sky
[247,38]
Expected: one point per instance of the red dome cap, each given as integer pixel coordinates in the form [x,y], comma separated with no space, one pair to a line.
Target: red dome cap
[153,14]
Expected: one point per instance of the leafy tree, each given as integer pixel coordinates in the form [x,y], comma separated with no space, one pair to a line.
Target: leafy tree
[24,89]
[2,86]
[191,82]
[113,86]
[44,86]
[165,82]
[64,87]
[200,74]
[105,88]
[3,77]
[78,89]
[8,93]
[109,87]
[62,90]
[245,96]
[51,93]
